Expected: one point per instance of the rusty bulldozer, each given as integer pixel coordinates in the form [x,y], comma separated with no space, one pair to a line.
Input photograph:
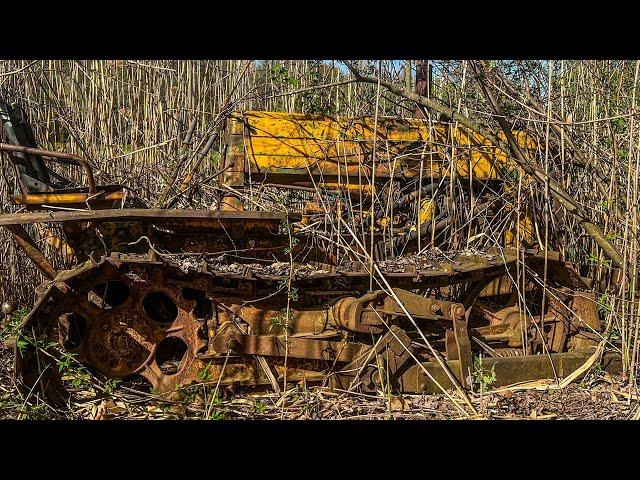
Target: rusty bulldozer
[251,293]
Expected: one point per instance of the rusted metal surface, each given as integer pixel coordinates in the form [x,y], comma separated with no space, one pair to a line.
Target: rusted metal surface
[142,315]
[509,370]
[187,217]
[122,324]
[463,349]
[587,322]
[30,248]
[424,79]
[292,347]
[378,366]
[103,231]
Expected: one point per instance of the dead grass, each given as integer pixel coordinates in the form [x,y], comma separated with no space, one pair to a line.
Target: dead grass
[600,396]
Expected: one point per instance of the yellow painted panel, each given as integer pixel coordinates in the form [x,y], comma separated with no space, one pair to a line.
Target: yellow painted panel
[481,164]
[331,149]
[296,143]
[286,125]
[301,165]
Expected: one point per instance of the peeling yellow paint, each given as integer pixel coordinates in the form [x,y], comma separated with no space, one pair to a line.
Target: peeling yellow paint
[281,143]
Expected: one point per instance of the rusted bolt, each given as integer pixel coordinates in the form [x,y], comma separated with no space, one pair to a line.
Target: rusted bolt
[8,308]
[458,311]
[435,306]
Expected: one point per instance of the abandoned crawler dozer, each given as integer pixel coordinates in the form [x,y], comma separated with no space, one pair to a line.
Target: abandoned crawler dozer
[299,274]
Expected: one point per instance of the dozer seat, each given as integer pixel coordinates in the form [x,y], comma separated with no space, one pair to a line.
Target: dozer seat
[41,187]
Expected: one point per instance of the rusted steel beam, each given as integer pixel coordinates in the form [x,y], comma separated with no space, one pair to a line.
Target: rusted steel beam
[141,214]
[32,251]
[424,73]
[509,370]
[234,165]
[295,347]
[59,157]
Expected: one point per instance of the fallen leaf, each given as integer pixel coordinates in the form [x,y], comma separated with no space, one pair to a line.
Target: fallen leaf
[99,411]
[398,403]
